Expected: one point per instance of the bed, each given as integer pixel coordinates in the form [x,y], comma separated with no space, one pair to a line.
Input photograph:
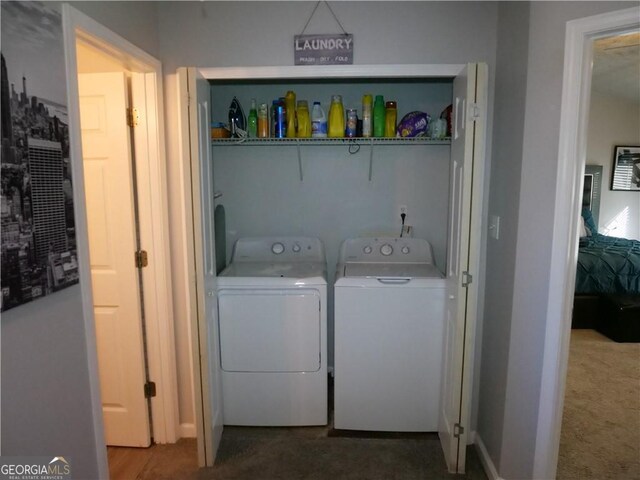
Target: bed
[608,265]
[607,277]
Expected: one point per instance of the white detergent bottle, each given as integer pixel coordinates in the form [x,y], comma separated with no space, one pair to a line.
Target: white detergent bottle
[318,121]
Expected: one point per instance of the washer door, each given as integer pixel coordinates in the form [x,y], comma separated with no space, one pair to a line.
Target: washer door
[264,330]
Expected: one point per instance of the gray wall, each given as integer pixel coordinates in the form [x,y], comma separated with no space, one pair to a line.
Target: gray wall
[506,167]
[222,34]
[614,121]
[46,402]
[136,21]
[515,394]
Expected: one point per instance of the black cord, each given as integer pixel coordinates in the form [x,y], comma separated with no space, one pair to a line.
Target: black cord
[402,216]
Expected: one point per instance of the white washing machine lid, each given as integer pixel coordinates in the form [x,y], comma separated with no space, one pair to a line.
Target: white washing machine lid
[391,270]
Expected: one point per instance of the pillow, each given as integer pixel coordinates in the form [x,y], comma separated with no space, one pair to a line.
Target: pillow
[588,222]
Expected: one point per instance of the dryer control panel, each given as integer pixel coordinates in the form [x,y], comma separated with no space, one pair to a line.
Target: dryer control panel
[278,249]
[386,249]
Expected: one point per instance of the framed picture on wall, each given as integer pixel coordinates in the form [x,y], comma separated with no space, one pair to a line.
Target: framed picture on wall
[626,169]
[37,223]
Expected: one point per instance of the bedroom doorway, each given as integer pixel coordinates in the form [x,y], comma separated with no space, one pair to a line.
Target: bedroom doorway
[579,36]
[600,434]
[603,378]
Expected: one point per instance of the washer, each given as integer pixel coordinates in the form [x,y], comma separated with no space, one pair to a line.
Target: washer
[272,313]
[389,324]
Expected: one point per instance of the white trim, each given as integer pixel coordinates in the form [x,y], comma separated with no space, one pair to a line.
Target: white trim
[278,73]
[82,239]
[200,377]
[188,430]
[487,463]
[153,208]
[571,161]
[337,71]
[475,253]
[154,225]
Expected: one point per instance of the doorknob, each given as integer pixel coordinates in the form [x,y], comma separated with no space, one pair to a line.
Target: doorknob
[210,293]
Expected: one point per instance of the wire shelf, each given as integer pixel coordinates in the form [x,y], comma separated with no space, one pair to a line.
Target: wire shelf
[331,141]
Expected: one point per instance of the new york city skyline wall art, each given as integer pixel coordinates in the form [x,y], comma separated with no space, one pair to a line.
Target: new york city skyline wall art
[38,245]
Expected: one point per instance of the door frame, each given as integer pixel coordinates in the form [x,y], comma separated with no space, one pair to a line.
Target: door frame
[199,329]
[154,225]
[201,375]
[576,90]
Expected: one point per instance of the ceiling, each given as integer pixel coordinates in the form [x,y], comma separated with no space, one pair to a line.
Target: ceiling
[616,67]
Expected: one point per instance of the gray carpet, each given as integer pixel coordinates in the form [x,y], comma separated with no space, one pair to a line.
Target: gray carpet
[601,424]
[292,454]
[311,454]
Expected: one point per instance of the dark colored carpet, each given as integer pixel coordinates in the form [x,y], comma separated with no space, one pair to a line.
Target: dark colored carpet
[311,454]
[293,454]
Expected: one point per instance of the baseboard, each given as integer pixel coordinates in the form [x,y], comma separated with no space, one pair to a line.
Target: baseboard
[485,459]
[187,430]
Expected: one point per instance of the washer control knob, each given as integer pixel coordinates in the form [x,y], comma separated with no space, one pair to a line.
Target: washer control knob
[277,248]
[386,249]
[296,247]
[405,250]
[367,249]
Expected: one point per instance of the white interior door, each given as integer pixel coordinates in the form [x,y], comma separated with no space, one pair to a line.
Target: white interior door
[209,413]
[465,206]
[109,192]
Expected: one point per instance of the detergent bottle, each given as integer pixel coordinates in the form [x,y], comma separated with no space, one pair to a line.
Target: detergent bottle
[336,117]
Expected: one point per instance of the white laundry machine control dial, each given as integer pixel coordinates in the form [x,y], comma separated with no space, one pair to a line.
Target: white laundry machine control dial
[405,250]
[296,247]
[386,249]
[367,249]
[277,248]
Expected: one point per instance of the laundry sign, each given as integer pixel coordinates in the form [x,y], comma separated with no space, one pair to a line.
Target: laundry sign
[334,49]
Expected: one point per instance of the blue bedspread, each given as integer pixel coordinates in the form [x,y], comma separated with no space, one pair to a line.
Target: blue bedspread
[608,265]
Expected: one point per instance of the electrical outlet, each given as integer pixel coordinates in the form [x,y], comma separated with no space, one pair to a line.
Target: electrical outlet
[403,209]
[407,231]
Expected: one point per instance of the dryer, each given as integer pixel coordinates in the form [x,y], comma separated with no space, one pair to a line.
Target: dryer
[272,313]
[389,324]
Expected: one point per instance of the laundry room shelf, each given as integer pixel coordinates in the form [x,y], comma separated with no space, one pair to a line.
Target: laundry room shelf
[330,141]
[353,144]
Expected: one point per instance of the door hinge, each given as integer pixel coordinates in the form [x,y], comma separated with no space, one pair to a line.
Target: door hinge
[467,279]
[458,430]
[149,389]
[474,111]
[133,117]
[142,259]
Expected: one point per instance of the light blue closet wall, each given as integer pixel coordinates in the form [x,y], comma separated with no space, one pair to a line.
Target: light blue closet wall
[263,194]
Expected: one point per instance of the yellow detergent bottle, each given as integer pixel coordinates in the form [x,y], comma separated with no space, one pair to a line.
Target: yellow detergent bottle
[290,104]
[391,117]
[304,122]
[336,117]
